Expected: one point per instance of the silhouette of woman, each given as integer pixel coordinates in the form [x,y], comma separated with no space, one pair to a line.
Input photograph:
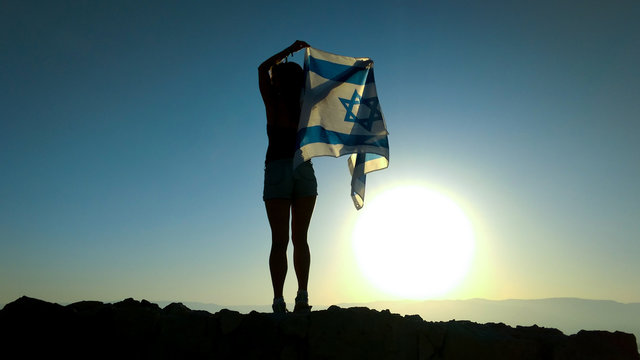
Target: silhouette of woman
[286,191]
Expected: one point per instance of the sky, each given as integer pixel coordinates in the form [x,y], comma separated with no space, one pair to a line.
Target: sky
[132,144]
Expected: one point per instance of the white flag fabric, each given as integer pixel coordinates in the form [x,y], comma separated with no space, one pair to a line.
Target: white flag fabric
[341,115]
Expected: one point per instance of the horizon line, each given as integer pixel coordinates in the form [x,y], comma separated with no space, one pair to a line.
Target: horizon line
[167,302]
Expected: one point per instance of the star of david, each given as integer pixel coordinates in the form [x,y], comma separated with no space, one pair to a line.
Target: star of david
[348,104]
[371,103]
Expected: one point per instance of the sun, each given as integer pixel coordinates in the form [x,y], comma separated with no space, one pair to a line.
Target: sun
[413,243]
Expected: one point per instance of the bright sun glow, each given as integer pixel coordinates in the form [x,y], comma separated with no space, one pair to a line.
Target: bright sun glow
[413,243]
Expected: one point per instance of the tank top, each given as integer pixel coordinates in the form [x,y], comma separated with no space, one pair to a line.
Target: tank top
[282,143]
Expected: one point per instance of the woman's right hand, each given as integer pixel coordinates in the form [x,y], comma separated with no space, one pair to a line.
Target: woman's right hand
[298,45]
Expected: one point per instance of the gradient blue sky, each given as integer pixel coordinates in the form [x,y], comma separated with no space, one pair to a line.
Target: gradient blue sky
[132,141]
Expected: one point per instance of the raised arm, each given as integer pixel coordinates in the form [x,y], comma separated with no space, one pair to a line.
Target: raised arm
[263,69]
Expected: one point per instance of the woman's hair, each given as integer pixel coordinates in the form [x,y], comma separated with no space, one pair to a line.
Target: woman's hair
[288,74]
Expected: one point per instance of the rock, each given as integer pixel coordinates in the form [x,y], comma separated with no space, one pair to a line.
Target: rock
[597,345]
[176,309]
[33,328]
[229,320]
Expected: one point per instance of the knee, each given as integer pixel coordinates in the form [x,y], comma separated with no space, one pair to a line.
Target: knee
[299,240]
[279,244]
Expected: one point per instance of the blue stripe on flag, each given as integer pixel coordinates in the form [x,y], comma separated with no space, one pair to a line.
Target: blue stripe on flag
[341,73]
[363,158]
[371,156]
[318,134]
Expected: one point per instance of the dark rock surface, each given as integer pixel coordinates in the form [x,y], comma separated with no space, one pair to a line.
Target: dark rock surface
[31,328]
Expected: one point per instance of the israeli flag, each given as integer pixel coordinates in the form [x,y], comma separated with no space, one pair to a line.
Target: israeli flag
[341,115]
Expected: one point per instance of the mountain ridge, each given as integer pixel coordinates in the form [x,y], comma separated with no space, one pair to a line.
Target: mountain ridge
[140,329]
[568,314]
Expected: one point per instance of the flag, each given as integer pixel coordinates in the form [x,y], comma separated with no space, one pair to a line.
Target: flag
[341,115]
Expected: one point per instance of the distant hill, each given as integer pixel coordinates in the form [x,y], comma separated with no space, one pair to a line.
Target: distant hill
[131,329]
[569,315]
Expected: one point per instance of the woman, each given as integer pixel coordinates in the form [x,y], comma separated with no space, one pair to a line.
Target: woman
[286,191]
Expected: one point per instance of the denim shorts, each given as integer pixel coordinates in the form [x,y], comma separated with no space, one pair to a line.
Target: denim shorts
[281,182]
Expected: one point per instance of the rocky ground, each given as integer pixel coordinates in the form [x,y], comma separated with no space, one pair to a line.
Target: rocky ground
[32,328]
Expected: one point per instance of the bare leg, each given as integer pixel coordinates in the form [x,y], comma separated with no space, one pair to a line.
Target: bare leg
[301,210]
[278,214]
